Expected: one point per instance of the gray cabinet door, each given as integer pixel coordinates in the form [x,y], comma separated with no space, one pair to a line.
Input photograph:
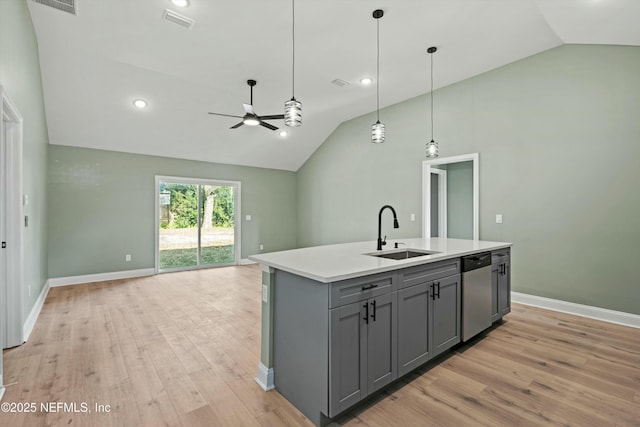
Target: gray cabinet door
[504,287]
[413,327]
[381,334]
[495,293]
[445,320]
[500,284]
[347,357]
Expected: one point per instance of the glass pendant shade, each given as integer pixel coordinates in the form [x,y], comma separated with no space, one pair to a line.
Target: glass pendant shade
[377,133]
[293,113]
[432,149]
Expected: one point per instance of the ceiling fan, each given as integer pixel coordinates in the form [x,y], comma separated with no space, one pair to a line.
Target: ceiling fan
[250,117]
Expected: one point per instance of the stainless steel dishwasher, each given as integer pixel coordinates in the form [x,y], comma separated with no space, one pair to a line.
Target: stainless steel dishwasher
[476,294]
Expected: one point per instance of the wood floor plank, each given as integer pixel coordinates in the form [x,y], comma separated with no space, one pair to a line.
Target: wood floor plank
[182,349]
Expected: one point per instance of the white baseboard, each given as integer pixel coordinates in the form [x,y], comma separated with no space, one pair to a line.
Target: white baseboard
[30,321]
[611,316]
[265,377]
[100,277]
[246,261]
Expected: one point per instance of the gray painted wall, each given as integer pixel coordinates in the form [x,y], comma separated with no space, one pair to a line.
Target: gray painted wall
[101,206]
[558,139]
[20,75]
[460,200]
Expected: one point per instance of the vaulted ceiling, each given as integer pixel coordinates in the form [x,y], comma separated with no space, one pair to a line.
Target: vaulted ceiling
[95,63]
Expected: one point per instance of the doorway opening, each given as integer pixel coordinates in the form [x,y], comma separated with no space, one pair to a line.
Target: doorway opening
[11,228]
[197,223]
[460,206]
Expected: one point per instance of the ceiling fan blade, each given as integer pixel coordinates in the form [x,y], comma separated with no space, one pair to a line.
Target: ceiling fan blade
[237,125]
[268,126]
[272,117]
[248,108]
[226,115]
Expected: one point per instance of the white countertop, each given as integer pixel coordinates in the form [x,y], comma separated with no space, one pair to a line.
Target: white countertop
[332,263]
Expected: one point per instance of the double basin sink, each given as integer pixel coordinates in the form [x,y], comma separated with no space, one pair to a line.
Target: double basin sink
[402,254]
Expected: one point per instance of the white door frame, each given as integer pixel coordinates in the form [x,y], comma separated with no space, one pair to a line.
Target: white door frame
[12,294]
[237,235]
[442,202]
[427,170]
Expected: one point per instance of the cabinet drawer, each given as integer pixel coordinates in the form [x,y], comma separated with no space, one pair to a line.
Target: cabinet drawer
[501,256]
[428,272]
[360,288]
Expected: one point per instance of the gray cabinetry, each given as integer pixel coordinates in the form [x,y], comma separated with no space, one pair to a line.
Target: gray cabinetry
[500,283]
[413,327]
[445,331]
[428,313]
[362,348]
[336,343]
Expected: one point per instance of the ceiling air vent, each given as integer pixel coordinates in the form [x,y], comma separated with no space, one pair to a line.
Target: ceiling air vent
[176,18]
[340,82]
[68,6]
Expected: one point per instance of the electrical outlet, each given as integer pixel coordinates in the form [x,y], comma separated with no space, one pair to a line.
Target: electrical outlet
[261,246]
[247,217]
[29,290]
[265,292]
[498,218]
[127,257]
[413,217]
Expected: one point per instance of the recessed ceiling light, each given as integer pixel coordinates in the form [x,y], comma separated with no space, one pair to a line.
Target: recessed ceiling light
[283,133]
[180,3]
[366,81]
[140,103]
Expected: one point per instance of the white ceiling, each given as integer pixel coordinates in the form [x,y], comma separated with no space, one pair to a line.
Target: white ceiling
[96,63]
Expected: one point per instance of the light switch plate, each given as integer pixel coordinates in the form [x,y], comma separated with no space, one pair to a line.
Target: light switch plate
[413,217]
[498,218]
[247,217]
[265,292]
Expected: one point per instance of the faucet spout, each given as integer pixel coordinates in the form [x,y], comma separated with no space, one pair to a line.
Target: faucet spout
[395,225]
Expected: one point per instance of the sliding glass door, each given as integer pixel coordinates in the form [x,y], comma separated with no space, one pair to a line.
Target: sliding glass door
[197,223]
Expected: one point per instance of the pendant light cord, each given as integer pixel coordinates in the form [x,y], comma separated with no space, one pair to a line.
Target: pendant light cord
[378,71]
[293,48]
[431,96]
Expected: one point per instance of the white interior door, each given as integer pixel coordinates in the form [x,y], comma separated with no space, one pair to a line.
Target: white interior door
[11,226]
[438,203]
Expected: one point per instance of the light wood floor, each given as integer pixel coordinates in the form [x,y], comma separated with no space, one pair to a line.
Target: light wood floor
[182,349]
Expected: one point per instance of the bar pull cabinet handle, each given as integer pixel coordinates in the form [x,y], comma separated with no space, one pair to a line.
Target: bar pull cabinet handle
[437,294]
[433,291]
[366,313]
[366,288]
[373,316]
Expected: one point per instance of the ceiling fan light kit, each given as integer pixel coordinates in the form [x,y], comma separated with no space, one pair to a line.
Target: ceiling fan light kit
[293,107]
[377,129]
[432,146]
[250,117]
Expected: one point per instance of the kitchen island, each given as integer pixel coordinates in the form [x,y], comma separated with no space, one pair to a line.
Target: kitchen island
[340,322]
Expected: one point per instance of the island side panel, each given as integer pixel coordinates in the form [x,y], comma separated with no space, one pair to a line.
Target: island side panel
[265,368]
[301,343]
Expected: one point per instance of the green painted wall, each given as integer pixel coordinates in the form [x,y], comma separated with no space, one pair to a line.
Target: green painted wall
[101,207]
[20,76]
[460,200]
[558,139]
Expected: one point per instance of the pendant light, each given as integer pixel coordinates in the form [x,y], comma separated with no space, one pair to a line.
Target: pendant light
[432,146]
[293,107]
[377,129]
